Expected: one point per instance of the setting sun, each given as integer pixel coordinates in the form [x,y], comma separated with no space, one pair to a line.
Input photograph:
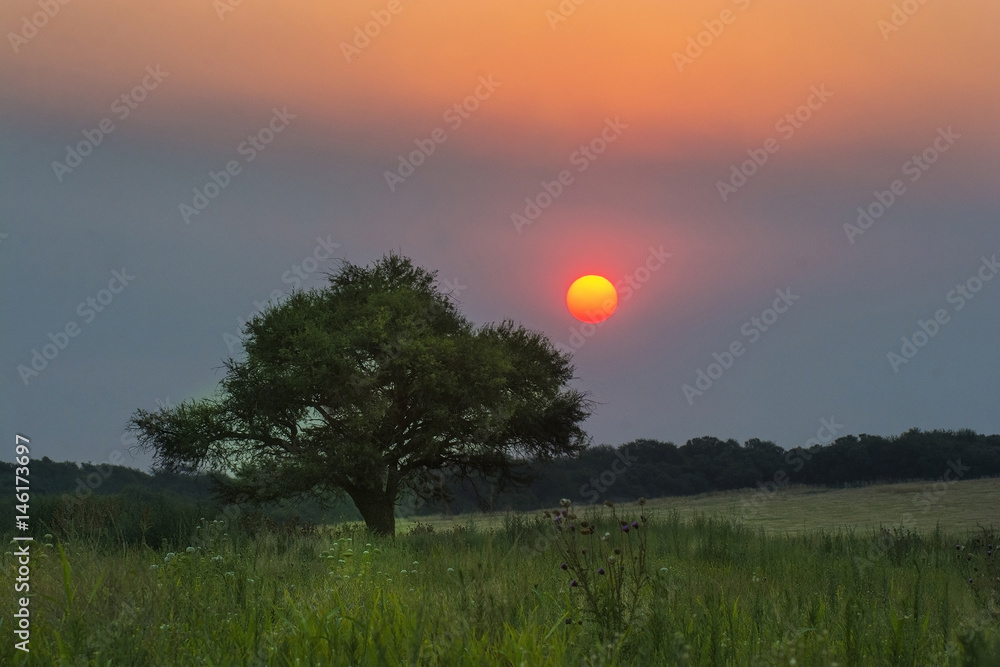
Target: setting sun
[592,299]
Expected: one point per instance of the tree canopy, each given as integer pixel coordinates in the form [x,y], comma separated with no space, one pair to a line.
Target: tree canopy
[374,385]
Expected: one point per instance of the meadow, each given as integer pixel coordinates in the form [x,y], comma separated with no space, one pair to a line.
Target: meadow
[810,577]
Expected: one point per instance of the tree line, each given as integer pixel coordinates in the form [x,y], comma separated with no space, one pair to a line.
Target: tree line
[652,468]
[645,467]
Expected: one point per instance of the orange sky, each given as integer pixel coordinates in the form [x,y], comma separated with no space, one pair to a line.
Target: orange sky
[556,84]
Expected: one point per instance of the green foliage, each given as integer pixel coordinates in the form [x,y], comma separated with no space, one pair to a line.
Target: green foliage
[720,594]
[366,388]
[608,563]
[708,464]
[134,517]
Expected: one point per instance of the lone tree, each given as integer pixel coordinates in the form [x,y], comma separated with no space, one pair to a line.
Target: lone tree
[371,386]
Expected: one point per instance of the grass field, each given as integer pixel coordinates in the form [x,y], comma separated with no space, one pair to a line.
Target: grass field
[807,578]
[958,507]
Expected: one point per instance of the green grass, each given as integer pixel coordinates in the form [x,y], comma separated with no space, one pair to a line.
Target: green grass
[722,593]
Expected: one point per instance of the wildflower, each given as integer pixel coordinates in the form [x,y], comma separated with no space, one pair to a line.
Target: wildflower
[625,528]
[190,550]
[451,569]
[969,580]
[416,563]
[403,572]
[611,560]
[47,536]
[600,570]
[572,583]
[583,551]
[564,566]
[642,501]
[569,621]
[608,503]
[565,502]
[635,524]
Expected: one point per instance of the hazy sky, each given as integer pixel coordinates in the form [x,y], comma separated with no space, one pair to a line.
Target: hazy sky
[166,167]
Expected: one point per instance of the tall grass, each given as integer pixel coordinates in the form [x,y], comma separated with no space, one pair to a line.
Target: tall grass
[720,593]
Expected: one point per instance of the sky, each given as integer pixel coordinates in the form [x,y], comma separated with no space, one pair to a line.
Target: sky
[797,201]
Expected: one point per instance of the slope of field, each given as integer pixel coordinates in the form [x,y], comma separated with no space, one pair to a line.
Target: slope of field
[957,506]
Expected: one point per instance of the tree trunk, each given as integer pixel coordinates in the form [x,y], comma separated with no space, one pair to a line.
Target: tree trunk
[377,509]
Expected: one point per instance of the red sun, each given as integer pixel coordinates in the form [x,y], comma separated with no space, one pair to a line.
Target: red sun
[592,299]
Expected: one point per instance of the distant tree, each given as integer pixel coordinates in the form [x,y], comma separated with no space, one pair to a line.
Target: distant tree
[371,387]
